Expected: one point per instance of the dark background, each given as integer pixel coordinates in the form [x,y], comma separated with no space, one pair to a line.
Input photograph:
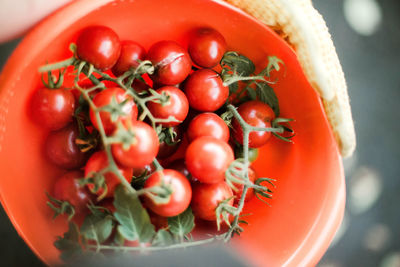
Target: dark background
[370,233]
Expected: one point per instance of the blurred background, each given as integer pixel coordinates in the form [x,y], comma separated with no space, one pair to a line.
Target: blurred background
[367,38]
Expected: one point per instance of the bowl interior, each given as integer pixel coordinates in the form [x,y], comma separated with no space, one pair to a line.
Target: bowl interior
[308,201]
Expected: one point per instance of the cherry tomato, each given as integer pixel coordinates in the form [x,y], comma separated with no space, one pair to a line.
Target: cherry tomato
[208,124]
[206,47]
[62,150]
[205,90]
[140,86]
[180,197]
[191,114]
[250,191]
[172,62]
[131,54]
[253,153]
[53,108]
[105,98]
[208,158]
[143,149]
[258,114]
[146,170]
[176,106]
[98,45]
[168,146]
[206,198]
[97,162]
[180,166]
[67,188]
[108,203]
[158,221]
[140,176]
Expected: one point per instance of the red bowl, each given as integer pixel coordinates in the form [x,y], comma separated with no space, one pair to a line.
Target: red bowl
[308,202]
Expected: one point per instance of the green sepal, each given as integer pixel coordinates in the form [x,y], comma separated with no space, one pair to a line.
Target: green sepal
[60,207]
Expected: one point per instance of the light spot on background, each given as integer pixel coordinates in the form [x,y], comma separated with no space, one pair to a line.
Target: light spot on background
[364,16]
[391,260]
[377,237]
[349,164]
[365,189]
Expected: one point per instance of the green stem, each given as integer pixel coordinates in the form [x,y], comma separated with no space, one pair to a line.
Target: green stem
[139,101]
[107,147]
[157,165]
[58,65]
[174,246]
[235,79]
[250,128]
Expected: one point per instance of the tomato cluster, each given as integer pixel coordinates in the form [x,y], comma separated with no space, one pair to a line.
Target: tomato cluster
[114,134]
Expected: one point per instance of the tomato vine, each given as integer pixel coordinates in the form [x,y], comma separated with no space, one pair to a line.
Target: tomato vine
[99,224]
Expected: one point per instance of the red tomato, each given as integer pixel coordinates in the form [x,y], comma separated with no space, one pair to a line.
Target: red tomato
[180,197]
[172,62]
[98,45]
[208,158]
[257,114]
[142,151]
[53,108]
[168,149]
[104,98]
[158,221]
[67,188]
[62,150]
[146,170]
[131,54]
[140,86]
[177,106]
[180,166]
[208,124]
[97,162]
[206,198]
[108,203]
[250,191]
[207,47]
[205,90]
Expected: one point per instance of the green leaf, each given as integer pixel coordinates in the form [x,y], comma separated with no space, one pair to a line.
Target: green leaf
[267,95]
[239,64]
[233,87]
[133,218]
[182,224]
[251,92]
[97,228]
[163,238]
[69,244]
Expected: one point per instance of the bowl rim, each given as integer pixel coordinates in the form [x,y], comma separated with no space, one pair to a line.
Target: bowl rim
[76,10]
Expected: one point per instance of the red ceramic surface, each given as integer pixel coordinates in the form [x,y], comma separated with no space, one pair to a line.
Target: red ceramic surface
[308,202]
